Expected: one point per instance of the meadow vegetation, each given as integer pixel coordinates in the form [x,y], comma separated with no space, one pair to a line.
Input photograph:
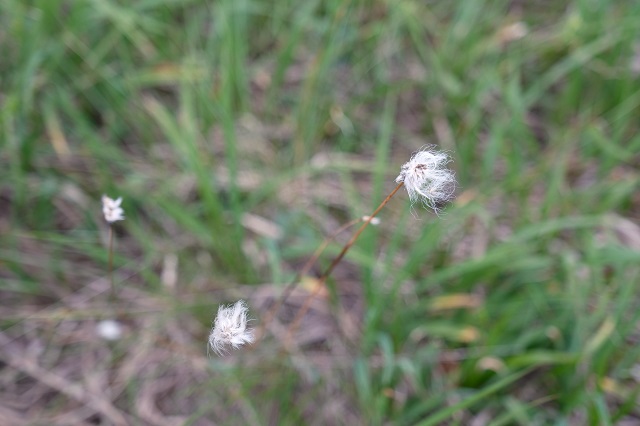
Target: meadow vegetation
[241,133]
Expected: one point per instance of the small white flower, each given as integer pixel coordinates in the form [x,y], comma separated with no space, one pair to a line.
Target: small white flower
[230,328]
[109,329]
[111,209]
[374,221]
[426,177]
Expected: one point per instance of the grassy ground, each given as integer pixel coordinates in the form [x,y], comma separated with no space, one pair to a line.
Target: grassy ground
[241,133]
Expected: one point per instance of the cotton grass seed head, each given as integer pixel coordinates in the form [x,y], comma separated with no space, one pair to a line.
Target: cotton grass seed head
[426,177]
[111,209]
[230,328]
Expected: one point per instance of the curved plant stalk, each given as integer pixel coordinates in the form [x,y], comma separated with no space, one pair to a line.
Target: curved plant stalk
[323,278]
[296,280]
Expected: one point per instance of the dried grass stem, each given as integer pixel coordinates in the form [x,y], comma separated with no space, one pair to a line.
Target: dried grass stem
[323,278]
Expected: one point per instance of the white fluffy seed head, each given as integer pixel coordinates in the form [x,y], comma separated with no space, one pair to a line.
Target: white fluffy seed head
[426,177]
[230,328]
[111,209]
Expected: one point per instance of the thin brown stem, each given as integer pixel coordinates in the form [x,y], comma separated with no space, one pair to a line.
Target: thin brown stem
[296,280]
[321,281]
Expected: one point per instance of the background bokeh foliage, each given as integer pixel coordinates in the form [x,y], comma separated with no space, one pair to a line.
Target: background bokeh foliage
[241,133]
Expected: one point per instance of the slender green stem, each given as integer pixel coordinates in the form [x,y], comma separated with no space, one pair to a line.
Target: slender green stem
[113,287]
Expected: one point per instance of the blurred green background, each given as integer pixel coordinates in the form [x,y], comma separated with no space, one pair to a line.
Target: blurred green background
[241,133]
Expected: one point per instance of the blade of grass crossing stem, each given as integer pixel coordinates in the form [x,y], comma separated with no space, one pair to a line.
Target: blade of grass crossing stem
[599,407]
[556,173]
[538,230]
[447,412]
[224,114]
[233,52]
[381,170]
[12,145]
[309,121]
[301,21]
[232,57]
[183,137]
[572,62]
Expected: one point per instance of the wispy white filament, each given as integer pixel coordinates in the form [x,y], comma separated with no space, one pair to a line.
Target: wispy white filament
[111,209]
[230,328]
[426,177]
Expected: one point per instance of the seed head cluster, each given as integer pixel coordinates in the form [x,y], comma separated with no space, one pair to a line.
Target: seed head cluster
[426,177]
[111,209]
[230,328]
